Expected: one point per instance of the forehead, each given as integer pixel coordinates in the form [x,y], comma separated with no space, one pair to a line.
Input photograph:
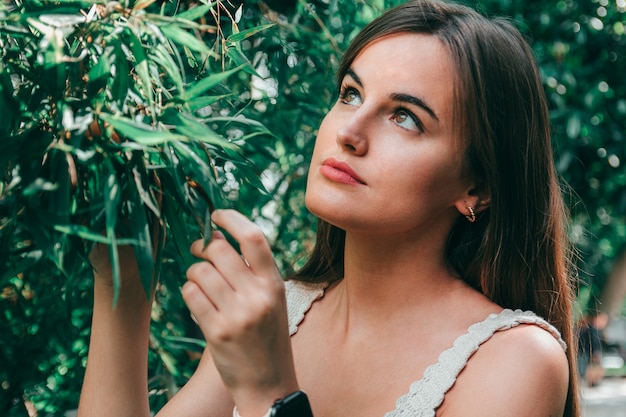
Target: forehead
[411,63]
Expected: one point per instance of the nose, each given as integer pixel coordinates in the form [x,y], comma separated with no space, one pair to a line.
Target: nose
[352,135]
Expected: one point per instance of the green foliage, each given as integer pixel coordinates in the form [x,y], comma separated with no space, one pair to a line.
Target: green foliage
[580,47]
[201,99]
[116,124]
[102,108]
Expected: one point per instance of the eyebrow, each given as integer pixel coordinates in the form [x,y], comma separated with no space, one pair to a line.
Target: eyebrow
[402,97]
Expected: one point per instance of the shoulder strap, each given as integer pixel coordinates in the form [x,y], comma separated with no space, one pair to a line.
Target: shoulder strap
[300,298]
[427,394]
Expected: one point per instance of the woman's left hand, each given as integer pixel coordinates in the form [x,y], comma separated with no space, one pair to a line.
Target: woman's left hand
[239,303]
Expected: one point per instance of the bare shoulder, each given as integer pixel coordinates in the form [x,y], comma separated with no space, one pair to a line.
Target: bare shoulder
[520,372]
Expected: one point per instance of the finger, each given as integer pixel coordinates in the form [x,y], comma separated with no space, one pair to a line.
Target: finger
[213,285]
[199,305]
[198,247]
[252,242]
[225,259]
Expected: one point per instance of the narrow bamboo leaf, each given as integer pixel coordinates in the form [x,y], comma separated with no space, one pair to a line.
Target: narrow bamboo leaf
[140,230]
[101,69]
[140,132]
[245,138]
[240,60]
[114,256]
[196,12]
[203,175]
[170,363]
[85,233]
[142,4]
[143,188]
[112,197]
[175,171]
[250,176]
[200,87]
[195,130]
[207,232]
[178,35]
[198,208]
[175,215]
[242,120]
[121,81]
[185,343]
[191,161]
[164,59]
[245,34]
[141,65]
[205,101]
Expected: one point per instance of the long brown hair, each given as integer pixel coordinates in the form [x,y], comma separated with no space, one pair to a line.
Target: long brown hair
[516,252]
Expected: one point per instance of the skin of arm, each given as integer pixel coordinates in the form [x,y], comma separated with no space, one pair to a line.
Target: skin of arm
[116,379]
[204,395]
[521,372]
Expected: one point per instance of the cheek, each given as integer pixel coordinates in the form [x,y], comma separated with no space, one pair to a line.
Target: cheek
[426,176]
[327,131]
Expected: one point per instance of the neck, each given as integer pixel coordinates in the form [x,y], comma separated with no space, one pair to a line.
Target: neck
[384,274]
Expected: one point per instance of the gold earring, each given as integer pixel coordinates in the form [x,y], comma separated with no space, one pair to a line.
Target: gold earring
[471,217]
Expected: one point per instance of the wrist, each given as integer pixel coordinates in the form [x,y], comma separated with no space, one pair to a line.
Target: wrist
[295,404]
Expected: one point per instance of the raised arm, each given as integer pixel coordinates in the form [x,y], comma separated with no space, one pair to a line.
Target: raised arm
[116,380]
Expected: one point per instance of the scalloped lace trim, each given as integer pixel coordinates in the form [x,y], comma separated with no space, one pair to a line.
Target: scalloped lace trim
[300,298]
[426,394]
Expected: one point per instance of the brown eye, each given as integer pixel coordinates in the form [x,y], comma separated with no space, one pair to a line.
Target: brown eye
[406,120]
[350,96]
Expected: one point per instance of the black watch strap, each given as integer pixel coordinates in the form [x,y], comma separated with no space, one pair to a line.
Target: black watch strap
[293,405]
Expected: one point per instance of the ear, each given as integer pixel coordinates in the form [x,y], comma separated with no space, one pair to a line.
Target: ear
[476,197]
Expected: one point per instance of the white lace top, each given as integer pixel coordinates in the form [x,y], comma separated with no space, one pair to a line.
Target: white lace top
[426,394]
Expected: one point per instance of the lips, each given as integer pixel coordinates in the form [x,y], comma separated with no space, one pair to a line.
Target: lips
[339,171]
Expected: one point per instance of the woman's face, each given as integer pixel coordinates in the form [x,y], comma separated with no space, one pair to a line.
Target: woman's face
[386,159]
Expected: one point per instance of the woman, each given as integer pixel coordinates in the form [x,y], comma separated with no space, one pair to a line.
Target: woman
[439,207]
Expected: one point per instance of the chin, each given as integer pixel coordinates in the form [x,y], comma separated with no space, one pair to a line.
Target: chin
[330,212]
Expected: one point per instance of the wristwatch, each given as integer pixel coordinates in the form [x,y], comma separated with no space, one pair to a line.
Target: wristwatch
[293,405]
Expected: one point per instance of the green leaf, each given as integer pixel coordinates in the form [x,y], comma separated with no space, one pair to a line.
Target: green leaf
[196,12]
[102,69]
[140,229]
[205,101]
[112,197]
[245,34]
[180,36]
[164,58]
[185,343]
[240,60]
[141,66]
[142,182]
[121,81]
[174,215]
[142,4]
[140,132]
[200,87]
[201,172]
[84,232]
[195,129]
[207,233]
